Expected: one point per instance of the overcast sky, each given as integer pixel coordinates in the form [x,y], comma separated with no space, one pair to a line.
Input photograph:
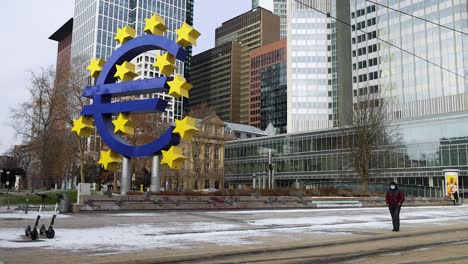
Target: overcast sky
[27,25]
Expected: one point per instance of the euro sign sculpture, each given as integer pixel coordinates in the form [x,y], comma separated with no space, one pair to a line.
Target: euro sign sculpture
[106,87]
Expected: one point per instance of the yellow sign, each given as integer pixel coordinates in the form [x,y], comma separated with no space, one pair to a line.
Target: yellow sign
[451,181]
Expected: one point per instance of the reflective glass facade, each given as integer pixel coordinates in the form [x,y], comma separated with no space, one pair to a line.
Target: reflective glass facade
[429,146]
[273,97]
[268,86]
[413,87]
[319,69]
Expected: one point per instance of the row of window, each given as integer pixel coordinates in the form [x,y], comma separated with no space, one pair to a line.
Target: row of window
[363,77]
[362,24]
[363,91]
[362,11]
[362,38]
[365,50]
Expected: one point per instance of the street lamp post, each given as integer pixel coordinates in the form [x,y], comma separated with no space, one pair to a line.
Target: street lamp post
[264,180]
[8,189]
[253,181]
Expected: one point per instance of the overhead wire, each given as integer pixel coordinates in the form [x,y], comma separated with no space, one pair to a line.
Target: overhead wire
[417,17]
[382,40]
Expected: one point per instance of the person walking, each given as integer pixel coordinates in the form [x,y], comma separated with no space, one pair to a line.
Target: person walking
[394,200]
[454,192]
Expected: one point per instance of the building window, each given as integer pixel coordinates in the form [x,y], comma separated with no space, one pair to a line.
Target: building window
[207,151]
[216,152]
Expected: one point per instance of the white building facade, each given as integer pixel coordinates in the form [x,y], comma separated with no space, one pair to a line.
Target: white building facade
[319,73]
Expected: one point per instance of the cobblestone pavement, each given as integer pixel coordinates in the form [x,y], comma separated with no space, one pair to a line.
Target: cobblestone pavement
[438,234]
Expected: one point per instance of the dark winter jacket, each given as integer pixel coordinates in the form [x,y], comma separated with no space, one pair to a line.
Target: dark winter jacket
[394,197]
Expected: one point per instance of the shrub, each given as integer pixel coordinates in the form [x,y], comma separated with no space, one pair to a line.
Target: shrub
[328,191]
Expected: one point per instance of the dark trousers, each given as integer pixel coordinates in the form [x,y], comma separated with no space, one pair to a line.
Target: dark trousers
[395,213]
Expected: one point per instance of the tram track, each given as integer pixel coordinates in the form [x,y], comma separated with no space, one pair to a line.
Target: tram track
[327,252]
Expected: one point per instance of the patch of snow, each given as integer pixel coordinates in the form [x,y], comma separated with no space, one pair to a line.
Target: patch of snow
[22,215]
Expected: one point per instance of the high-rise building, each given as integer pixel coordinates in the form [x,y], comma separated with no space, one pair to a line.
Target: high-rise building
[252,29]
[64,38]
[413,54]
[216,80]
[268,86]
[413,87]
[278,7]
[319,65]
[96,22]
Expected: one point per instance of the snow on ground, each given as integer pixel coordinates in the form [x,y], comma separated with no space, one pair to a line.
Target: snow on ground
[31,215]
[131,237]
[246,229]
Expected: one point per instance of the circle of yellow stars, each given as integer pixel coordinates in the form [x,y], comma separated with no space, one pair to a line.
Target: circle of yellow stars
[179,87]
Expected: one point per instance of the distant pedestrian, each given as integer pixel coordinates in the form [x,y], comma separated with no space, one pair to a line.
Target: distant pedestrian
[394,199]
[454,194]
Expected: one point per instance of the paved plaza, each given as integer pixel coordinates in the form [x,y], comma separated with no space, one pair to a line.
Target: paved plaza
[357,235]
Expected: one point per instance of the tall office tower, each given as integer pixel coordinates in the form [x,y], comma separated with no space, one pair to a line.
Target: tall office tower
[414,88]
[278,7]
[268,86]
[96,23]
[64,38]
[252,29]
[216,80]
[319,65]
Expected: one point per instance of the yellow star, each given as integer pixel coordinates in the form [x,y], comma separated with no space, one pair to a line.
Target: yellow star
[155,25]
[186,128]
[165,63]
[179,87]
[95,67]
[125,34]
[125,72]
[83,126]
[124,124]
[173,157]
[187,35]
[110,160]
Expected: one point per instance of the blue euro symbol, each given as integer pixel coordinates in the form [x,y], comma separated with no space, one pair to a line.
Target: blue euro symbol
[105,88]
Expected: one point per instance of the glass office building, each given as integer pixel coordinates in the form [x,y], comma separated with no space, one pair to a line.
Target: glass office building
[319,65]
[427,103]
[430,146]
[413,87]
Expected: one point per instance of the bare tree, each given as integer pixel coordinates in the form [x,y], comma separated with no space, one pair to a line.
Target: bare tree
[73,80]
[371,130]
[201,110]
[40,120]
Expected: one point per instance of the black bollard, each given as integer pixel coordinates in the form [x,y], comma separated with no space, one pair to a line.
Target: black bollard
[27,203]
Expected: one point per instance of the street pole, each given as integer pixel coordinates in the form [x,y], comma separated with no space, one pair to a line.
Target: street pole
[259,181]
[253,182]
[8,189]
[8,193]
[155,175]
[27,203]
[125,182]
[264,181]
